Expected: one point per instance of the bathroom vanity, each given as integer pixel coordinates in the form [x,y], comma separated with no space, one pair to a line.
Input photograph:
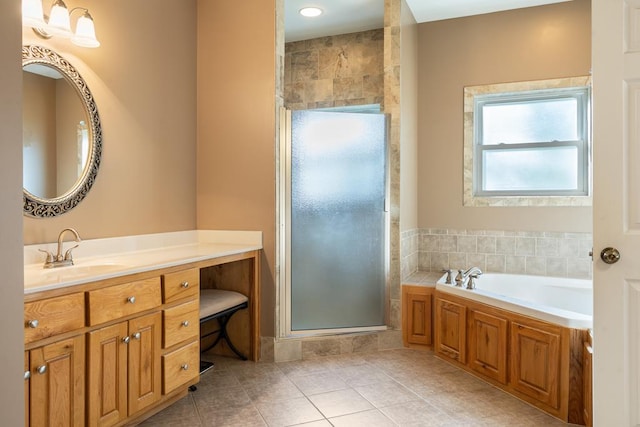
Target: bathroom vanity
[113,340]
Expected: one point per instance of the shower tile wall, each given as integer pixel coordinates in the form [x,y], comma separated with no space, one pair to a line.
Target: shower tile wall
[519,252]
[335,71]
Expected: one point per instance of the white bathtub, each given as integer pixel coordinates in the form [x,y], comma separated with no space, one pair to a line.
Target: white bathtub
[566,302]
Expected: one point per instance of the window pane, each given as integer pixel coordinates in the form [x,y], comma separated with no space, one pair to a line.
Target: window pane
[530,121]
[530,169]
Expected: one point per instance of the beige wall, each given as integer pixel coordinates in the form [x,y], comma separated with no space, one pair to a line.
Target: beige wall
[527,44]
[409,118]
[236,127]
[11,291]
[143,78]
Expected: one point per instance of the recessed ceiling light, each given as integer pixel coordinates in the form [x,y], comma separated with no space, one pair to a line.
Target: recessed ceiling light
[310,12]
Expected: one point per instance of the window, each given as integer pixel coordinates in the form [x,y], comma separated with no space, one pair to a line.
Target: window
[527,143]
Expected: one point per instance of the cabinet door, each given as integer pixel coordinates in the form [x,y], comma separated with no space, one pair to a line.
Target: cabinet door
[488,345]
[535,366]
[27,376]
[144,361]
[450,331]
[587,376]
[57,384]
[417,315]
[107,373]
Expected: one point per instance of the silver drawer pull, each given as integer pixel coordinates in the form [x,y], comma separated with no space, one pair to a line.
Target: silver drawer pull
[33,323]
[184,284]
[27,375]
[184,367]
[185,323]
[42,369]
[131,300]
[136,336]
[126,339]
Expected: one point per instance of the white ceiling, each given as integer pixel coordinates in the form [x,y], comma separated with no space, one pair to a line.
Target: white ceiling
[349,16]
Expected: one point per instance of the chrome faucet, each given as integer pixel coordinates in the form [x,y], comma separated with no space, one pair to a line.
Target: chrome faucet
[470,274]
[60,260]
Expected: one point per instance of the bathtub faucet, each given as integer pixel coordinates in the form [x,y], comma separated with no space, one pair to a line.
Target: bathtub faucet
[470,274]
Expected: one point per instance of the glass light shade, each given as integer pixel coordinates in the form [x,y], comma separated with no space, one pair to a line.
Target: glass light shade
[85,35]
[59,22]
[32,14]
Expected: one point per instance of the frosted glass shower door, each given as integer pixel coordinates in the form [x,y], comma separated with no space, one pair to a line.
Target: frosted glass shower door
[337,220]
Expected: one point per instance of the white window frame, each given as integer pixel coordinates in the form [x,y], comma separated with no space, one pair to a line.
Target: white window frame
[477,96]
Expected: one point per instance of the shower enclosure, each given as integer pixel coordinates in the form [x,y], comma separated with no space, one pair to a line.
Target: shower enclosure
[336,221]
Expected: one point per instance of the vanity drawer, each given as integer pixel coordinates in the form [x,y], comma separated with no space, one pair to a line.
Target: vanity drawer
[181,284]
[180,366]
[53,316]
[181,323]
[123,300]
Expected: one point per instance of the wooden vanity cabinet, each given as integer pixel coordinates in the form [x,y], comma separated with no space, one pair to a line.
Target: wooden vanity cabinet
[450,329]
[54,370]
[124,374]
[487,344]
[115,351]
[587,367]
[181,329]
[54,393]
[417,316]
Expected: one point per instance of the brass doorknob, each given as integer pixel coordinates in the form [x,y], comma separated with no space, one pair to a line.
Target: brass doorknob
[610,255]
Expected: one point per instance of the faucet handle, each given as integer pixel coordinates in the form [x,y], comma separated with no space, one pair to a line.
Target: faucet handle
[449,272]
[49,256]
[471,283]
[67,254]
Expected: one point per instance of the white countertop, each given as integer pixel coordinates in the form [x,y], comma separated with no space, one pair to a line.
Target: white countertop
[100,259]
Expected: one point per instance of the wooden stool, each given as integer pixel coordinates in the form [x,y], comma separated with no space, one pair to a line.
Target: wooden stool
[221,305]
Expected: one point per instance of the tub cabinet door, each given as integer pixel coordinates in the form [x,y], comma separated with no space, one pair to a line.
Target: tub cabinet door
[488,345]
[450,330]
[417,318]
[535,367]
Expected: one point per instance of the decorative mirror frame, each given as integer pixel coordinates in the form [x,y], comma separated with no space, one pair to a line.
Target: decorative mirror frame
[39,207]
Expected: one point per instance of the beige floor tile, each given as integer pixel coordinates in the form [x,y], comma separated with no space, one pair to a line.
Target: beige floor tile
[386,394]
[209,398]
[245,416]
[415,413]
[288,412]
[341,402]
[372,418]
[182,413]
[394,387]
[321,423]
[319,383]
[272,391]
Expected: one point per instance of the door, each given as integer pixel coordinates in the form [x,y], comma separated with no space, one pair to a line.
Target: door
[616,211]
[57,383]
[337,223]
[450,330]
[488,345]
[107,372]
[144,361]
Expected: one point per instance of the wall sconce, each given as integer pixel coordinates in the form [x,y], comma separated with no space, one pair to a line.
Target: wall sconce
[58,22]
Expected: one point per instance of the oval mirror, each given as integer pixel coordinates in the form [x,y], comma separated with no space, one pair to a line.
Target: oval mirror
[62,135]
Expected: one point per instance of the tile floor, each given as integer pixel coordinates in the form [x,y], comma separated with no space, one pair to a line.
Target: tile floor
[387,388]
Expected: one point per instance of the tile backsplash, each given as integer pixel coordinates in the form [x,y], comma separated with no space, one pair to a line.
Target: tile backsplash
[518,252]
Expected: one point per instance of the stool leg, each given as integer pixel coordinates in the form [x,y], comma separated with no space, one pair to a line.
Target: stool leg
[222,335]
